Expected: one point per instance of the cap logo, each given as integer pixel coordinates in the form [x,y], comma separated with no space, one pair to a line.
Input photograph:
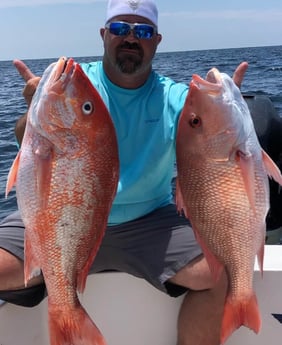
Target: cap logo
[133,4]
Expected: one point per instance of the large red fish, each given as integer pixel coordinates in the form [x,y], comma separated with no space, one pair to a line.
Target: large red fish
[66,175]
[223,189]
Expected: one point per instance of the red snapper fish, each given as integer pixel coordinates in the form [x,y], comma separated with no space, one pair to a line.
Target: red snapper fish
[66,175]
[222,187]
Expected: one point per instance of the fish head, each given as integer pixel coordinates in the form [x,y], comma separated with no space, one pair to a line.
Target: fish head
[215,120]
[66,107]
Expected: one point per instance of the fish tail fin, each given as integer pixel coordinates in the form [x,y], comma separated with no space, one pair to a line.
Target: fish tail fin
[240,313]
[73,326]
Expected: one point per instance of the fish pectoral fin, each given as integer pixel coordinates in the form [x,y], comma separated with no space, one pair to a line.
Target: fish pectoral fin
[246,164]
[271,168]
[12,176]
[44,175]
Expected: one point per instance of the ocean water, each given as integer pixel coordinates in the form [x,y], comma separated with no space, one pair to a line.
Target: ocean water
[264,76]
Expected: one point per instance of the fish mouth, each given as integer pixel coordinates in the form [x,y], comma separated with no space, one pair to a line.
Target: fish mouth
[65,66]
[214,76]
[62,73]
[212,84]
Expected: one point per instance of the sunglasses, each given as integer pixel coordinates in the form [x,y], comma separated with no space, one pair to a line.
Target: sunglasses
[140,31]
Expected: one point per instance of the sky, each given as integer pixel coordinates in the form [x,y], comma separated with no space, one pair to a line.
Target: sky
[34,29]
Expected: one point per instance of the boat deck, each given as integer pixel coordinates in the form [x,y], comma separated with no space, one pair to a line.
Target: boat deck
[129,311]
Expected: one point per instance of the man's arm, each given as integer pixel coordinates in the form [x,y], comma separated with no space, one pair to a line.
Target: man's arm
[28,91]
[20,128]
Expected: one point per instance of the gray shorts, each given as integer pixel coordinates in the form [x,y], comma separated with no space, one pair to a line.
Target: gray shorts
[154,247]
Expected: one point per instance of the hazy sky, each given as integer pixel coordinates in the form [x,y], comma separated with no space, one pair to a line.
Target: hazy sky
[51,28]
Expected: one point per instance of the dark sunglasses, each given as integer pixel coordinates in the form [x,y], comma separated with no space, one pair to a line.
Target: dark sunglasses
[140,31]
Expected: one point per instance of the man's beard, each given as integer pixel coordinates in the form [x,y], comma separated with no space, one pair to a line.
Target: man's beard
[129,63]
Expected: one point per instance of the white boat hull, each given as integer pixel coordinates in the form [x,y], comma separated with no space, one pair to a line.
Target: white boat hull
[129,311]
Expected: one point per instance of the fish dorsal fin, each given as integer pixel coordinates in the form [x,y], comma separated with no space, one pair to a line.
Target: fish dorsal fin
[43,153]
[44,176]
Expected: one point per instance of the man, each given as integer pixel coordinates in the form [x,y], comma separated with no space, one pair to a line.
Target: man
[145,236]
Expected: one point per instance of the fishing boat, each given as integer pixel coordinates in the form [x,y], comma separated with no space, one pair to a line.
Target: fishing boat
[130,311]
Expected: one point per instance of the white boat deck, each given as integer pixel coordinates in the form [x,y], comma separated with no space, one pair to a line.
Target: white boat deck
[129,311]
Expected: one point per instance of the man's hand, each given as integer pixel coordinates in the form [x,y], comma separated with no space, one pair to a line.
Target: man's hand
[30,79]
[239,73]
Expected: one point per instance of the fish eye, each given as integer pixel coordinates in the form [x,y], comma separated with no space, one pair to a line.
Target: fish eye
[195,121]
[87,108]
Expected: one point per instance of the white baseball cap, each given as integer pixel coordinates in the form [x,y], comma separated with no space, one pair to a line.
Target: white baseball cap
[143,8]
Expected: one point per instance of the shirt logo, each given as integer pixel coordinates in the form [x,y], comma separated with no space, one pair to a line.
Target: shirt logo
[134,4]
[153,120]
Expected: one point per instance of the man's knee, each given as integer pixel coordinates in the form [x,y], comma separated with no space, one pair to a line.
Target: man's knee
[197,275]
[12,287]
[11,270]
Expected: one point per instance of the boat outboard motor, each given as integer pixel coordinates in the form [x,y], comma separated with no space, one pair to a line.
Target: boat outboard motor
[268,126]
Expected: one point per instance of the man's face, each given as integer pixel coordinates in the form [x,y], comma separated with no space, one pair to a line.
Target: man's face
[128,53]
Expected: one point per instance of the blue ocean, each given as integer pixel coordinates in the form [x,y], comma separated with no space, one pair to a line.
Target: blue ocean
[264,76]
